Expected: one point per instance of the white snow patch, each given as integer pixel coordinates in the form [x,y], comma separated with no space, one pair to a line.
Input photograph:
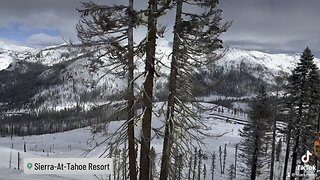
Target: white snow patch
[5,61]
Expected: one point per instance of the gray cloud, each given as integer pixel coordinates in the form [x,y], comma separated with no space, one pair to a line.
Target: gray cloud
[269,25]
[42,39]
[59,15]
[273,25]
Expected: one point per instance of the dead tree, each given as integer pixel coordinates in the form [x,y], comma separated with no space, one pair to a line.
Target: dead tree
[106,34]
[153,13]
[195,37]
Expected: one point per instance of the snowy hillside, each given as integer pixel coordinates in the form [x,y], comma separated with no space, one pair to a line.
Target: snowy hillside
[240,72]
[9,51]
[55,79]
[271,65]
[66,79]
[12,47]
[5,61]
[76,142]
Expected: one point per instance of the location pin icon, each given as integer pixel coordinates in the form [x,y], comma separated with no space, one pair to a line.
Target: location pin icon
[29,165]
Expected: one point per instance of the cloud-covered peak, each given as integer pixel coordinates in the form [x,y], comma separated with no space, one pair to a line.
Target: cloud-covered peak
[42,39]
[7,45]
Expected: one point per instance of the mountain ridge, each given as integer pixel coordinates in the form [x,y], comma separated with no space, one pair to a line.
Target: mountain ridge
[65,81]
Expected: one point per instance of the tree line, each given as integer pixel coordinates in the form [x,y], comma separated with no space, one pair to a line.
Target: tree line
[47,121]
[298,107]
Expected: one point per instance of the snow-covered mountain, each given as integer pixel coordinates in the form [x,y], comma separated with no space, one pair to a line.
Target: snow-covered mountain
[5,61]
[10,52]
[240,72]
[54,78]
[271,64]
[13,47]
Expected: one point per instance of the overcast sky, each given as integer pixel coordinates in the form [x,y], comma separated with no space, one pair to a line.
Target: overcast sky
[267,25]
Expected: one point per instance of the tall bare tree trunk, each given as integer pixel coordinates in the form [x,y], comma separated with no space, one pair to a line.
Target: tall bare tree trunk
[274,138]
[294,156]
[235,161]
[130,107]
[148,91]
[255,157]
[284,176]
[168,138]
[296,145]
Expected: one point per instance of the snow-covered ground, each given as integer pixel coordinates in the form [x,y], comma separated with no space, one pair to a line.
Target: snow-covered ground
[75,143]
[59,145]
[5,61]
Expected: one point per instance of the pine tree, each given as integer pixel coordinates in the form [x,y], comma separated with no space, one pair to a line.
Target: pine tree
[213,164]
[235,160]
[148,91]
[231,172]
[195,162]
[278,150]
[199,164]
[130,96]
[196,38]
[153,167]
[124,162]
[224,158]
[220,160]
[178,166]
[254,134]
[107,32]
[153,13]
[303,90]
[204,171]
[190,167]
[288,138]
[279,81]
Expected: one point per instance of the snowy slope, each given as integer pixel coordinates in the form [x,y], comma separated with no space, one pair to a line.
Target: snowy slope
[5,61]
[79,141]
[12,47]
[76,78]
[260,65]
[66,144]
[9,53]
[15,51]
[268,65]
